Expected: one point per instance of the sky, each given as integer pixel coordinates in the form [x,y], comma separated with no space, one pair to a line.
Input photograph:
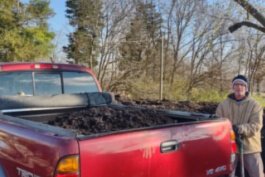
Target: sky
[59,20]
[60,25]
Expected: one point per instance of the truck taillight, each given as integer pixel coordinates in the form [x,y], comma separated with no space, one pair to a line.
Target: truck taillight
[68,167]
[67,175]
[233,149]
[233,141]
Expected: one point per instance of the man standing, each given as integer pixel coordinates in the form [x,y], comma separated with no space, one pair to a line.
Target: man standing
[246,116]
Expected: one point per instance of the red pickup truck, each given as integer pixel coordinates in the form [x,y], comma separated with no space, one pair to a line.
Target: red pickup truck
[197,145]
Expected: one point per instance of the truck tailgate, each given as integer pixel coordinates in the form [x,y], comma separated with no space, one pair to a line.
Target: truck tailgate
[194,150]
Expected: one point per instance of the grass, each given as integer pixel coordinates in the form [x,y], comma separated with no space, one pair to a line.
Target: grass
[148,89]
[207,95]
[260,99]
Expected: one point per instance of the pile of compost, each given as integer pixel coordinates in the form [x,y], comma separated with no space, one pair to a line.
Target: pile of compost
[106,119]
[202,107]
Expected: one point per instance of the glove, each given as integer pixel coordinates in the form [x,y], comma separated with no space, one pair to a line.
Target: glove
[239,137]
[235,129]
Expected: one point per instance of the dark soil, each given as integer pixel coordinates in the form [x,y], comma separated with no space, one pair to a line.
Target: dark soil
[106,119]
[201,107]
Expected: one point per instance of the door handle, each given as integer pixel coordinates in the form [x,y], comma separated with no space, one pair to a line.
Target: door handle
[168,146]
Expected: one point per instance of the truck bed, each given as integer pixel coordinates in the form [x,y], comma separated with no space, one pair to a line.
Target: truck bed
[189,142]
[95,120]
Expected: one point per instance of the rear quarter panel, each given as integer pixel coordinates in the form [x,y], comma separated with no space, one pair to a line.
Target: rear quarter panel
[27,152]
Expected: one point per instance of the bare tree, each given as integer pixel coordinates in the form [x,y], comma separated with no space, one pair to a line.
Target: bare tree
[179,21]
[115,16]
[254,12]
[255,59]
[200,49]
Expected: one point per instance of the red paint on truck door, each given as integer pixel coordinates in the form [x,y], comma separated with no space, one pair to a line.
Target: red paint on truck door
[183,151]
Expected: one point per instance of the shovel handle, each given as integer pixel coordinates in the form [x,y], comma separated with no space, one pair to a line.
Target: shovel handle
[241,151]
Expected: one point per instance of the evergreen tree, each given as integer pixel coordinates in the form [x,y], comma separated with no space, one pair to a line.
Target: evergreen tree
[85,16]
[142,45]
[24,30]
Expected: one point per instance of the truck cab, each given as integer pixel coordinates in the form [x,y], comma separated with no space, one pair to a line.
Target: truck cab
[40,79]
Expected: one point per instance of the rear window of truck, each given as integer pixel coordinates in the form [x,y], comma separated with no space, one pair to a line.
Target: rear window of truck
[45,83]
[78,82]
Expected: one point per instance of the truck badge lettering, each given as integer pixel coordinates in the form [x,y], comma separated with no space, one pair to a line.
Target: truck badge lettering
[25,173]
[215,170]
[210,172]
[220,169]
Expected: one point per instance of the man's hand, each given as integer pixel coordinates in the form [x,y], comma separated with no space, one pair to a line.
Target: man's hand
[235,129]
[239,137]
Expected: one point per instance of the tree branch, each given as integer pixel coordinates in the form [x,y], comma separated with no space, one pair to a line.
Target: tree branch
[236,26]
[252,10]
